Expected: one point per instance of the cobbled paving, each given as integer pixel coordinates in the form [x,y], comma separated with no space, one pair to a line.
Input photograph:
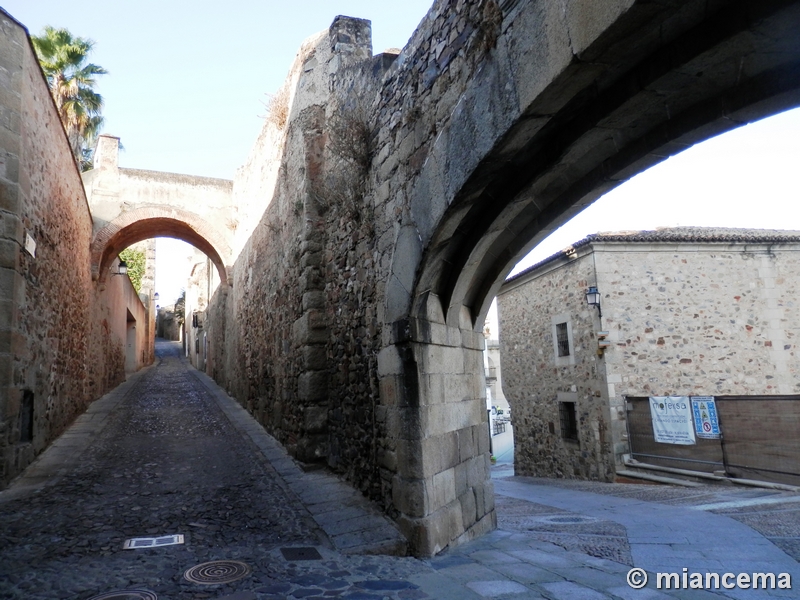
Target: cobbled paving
[171,463]
[601,539]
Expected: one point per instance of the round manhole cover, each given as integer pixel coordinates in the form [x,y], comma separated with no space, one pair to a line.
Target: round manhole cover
[127,595]
[217,571]
[566,520]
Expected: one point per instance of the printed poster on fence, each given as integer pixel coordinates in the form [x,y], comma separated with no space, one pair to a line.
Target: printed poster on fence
[706,423]
[672,420]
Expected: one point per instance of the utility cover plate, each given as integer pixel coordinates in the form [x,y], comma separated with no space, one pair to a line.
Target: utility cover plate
[301,554]
[152,542]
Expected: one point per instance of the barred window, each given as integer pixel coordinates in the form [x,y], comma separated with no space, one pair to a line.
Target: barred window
[562,339]
[569,420]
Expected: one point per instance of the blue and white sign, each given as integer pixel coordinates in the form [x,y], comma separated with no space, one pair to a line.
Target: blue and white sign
[706,423]
[672,420]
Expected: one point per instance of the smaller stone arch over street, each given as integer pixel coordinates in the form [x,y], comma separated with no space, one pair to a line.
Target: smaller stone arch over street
[131,205]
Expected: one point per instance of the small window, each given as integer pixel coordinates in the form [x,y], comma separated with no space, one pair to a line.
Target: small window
[569,420]
[562,339]
[26,418]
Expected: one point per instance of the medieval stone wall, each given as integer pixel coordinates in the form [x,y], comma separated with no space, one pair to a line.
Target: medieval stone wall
[297,338]
[57,349]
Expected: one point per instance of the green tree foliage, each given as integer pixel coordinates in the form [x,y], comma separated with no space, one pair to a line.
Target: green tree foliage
[135,260]
[72,80]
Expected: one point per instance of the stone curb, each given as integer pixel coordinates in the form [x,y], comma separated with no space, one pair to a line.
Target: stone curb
[351,522]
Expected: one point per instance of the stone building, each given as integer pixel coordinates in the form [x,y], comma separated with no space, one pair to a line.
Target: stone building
[683,312]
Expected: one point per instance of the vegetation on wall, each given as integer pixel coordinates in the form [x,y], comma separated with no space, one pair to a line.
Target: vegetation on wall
[278,107]
[71,79]
[135,260]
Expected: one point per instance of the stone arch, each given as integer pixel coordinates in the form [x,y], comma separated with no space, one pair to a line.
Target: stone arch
[724,70]
[574,118]
[154,221]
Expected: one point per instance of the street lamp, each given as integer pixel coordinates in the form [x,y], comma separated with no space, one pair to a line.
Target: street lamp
[122,268]
[593,299]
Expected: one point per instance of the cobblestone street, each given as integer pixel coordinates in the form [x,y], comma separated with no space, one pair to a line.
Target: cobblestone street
[169,462]
[170,453]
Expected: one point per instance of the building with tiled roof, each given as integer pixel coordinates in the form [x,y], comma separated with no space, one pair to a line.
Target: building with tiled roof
[683,312]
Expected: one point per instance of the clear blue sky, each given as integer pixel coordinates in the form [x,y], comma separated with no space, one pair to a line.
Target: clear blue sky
[187,79]
[187,82]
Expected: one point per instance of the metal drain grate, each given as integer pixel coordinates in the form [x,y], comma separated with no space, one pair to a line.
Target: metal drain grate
[217,571]
[301,554]
[127,595]
[152,542]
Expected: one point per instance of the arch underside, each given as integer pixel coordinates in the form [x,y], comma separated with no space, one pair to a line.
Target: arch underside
[652,99]
[131,228]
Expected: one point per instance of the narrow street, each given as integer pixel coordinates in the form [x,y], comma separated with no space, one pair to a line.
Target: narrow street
[168,462]
[168,453]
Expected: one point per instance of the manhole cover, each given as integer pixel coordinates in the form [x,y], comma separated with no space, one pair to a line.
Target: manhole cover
[301,554]
[127,595]
[217,571]
[564,519]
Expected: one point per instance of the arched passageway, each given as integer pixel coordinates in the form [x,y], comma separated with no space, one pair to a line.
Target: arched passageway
[144,223]
[565,107]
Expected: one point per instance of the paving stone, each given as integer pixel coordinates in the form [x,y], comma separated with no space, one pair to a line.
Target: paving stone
[566,590]
[492,589]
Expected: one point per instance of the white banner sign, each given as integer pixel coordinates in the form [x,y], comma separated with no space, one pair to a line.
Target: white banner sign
[672,420]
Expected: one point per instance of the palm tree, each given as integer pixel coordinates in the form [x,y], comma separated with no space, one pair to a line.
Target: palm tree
[71,79]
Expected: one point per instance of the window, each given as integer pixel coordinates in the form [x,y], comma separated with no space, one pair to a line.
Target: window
[562,339]
[569,420]
[26,417]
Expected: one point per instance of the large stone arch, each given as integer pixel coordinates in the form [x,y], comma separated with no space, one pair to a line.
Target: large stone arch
[720,70]
[572,101]
[158,221]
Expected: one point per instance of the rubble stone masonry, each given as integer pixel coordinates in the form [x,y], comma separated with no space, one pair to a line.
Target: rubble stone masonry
[709,314]
[57,352]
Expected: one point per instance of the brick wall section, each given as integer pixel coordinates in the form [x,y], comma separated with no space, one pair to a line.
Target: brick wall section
[684,318]
[56,345]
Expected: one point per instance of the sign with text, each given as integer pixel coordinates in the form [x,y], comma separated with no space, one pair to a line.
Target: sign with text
[672,420]
[706,423]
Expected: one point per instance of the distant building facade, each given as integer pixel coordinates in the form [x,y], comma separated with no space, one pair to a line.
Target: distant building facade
[685,312]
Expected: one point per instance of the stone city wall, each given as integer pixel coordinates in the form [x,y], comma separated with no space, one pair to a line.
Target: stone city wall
[57,349]
[296,339]
[334,208]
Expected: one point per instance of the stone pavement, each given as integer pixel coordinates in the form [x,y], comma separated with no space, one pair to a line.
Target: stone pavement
[169,453]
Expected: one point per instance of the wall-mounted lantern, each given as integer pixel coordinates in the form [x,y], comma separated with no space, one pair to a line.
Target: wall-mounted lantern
[593,299]
[122,268]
